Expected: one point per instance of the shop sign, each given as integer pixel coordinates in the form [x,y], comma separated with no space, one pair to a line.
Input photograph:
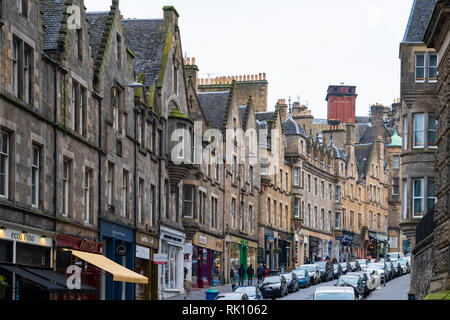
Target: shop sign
[244,242]
[146,240]
[142,253]
[30,238]
[89,245]
[160,259]
[202,240]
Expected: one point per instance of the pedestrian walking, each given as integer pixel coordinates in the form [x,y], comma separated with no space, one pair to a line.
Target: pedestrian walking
[233,278]
[260,273]
[250,273]
[241,275]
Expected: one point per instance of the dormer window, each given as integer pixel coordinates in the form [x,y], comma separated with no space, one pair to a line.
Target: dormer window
[23,7]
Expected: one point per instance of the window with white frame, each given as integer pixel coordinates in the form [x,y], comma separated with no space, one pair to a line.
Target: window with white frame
[432,67]
[110,183]
[67,184]
[418,197]
[250,218]
[296,176]
[27,73]
[338,194]
[188,201]
[297,208]
[337,224]
[396,162]
[242,216]
[268,211]
[35,175]
[233,212]
[419,130]
[15,59]
[420,67]
[404,198]
[405,133]
[286,217]
[4,164]
[87,196]
[395,186]
[140,200]
[125,191]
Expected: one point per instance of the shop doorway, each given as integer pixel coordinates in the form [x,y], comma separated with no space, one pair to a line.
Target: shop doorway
[203,263]
[243,259]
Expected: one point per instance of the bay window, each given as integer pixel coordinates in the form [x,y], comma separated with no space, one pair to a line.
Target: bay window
[432,123]
[419,130]
[431,194]
[418,197]
[297,208]
[296,176]
[420,67]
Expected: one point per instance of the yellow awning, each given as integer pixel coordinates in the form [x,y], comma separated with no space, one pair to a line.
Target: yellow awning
[119,272]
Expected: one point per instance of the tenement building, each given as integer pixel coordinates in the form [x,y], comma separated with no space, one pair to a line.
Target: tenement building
[436,36]
[418,124]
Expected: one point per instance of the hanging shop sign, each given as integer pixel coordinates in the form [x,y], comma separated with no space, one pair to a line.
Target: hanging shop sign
[142,252]
[160,258]
[121,249]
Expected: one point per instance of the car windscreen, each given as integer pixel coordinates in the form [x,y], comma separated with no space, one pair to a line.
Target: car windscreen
[334,296]
[349,280]
[249,291]
[270,280]
[335,266]
[309,268]
[287,276]
[300,273]
[321,265]
[353,263]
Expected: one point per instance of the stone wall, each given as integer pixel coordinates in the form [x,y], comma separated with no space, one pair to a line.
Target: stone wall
[421,271]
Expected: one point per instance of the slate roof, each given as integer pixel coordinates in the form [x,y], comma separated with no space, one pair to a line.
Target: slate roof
[290,127]
[362,155]
[214,106]
[146,39]
[96,23]
[338,153]
[52,15]
[418,21]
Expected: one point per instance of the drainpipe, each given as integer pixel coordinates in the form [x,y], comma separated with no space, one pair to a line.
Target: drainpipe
[136,112]
[55,145]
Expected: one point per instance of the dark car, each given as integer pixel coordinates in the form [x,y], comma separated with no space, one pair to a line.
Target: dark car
[274,287]
[352,281]
[345,267]
[364,279]
[354,266]
[397,268]
[292,281]
[304,281]
[391,270]
[337,270]
[326,271]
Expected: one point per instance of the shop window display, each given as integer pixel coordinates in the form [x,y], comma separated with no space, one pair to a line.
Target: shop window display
[170,270]
[217,267]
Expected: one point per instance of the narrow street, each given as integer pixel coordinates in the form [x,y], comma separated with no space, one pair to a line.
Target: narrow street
[396,289]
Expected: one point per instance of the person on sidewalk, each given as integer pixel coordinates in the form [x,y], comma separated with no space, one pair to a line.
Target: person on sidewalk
[233,278]
[260,273]
[241,275]
[250,273]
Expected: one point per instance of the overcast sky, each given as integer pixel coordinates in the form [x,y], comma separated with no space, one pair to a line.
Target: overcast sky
[303,45]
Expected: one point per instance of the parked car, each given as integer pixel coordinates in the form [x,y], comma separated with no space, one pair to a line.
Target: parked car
[333,293]
[292,281]
[232,296]
[364,281]
[326,270]
[345,267]
[377,274]
[371,279]
[405,266]
[390,269]
[304,281]
[354,266]
[352,281]
[363,262]
[274,287]
[397,268]
[252,293]
[313,271]
[337,270]
[396,255]
[382,270]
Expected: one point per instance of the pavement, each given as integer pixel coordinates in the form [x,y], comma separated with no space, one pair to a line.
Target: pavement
[200,294]
[396,289]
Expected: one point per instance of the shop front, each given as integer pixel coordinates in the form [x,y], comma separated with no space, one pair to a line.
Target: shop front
[22,255]
[90,274]
[146,247]
[207,261]
[285,253]
[314,248]
[118,241]
[242,252]
[171,274]
[378,242]
[270,244]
